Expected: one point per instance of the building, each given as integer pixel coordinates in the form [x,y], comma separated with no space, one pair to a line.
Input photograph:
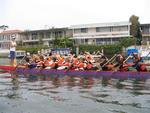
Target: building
[145,33]
[5,38]
[44,37]
[100,33]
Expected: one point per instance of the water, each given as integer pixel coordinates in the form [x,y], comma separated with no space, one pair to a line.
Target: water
[6,61]
[44,94]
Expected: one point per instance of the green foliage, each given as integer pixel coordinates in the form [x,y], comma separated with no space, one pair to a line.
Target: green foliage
[33,49]
[67,43]
[126,42]
[138,35]
[108,49]
[58,43]
[63,42]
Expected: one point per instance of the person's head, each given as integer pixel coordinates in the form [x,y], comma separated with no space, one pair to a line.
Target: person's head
[13,37]
[135,55]
[119,58]
[27,59]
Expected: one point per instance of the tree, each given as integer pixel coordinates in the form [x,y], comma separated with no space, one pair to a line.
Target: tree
[63,42]
[56,42]
[66,42]
[126,42]
[138,35]
[3,27]
[135,29]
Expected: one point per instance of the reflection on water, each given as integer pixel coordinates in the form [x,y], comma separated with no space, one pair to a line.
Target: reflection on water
[37,94]
[6,61]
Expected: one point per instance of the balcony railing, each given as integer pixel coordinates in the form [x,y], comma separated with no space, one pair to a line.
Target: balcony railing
[101,34]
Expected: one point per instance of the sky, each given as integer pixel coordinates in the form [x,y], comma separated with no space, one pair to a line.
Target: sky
[43,14]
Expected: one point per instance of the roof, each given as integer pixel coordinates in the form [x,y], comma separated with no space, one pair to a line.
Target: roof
[11,31]
[46,30]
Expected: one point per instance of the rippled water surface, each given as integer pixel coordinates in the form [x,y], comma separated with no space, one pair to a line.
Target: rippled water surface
[45,94]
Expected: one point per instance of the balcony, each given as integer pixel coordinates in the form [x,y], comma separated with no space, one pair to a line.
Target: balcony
[35,40]
[102,34]
[47,39]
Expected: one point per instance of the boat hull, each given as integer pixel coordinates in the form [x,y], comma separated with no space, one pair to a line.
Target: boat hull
[96,74]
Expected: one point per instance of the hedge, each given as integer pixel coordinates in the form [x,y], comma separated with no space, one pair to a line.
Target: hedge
[108,49]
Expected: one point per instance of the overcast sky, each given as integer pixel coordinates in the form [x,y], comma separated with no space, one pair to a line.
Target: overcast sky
[40,14]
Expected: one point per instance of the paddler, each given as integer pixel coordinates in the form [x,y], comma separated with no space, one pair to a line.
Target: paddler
[82,64]
[106,65]
[121,63]
[89,57]
[138,63]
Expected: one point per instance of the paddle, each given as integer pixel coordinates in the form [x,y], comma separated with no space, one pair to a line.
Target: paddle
[22,59]
[147,54]
[130,56]
[109,60]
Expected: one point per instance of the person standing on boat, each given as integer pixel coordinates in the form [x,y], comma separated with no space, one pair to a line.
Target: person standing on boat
[13,45]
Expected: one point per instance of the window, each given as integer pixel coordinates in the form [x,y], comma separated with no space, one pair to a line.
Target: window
[123,28]
[146,30]
[115,28]
[103,29]
[115,39]
[84,30]
[82,41]
[119,28]
[76,30]
[97,29]
[48,34]
[86,40]
[34,36]
[41,35]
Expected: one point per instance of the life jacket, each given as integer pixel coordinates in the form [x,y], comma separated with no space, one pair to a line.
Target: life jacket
[110,67]
[123,67]
[75,62]
[61,61]
[81,65]
[138,65]
[89,66]
[143,67]
[67,64]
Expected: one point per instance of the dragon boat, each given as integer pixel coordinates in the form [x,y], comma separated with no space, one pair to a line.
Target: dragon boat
[79,73]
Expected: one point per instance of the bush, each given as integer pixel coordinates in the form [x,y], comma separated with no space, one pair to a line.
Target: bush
[108,49]
[33,49]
